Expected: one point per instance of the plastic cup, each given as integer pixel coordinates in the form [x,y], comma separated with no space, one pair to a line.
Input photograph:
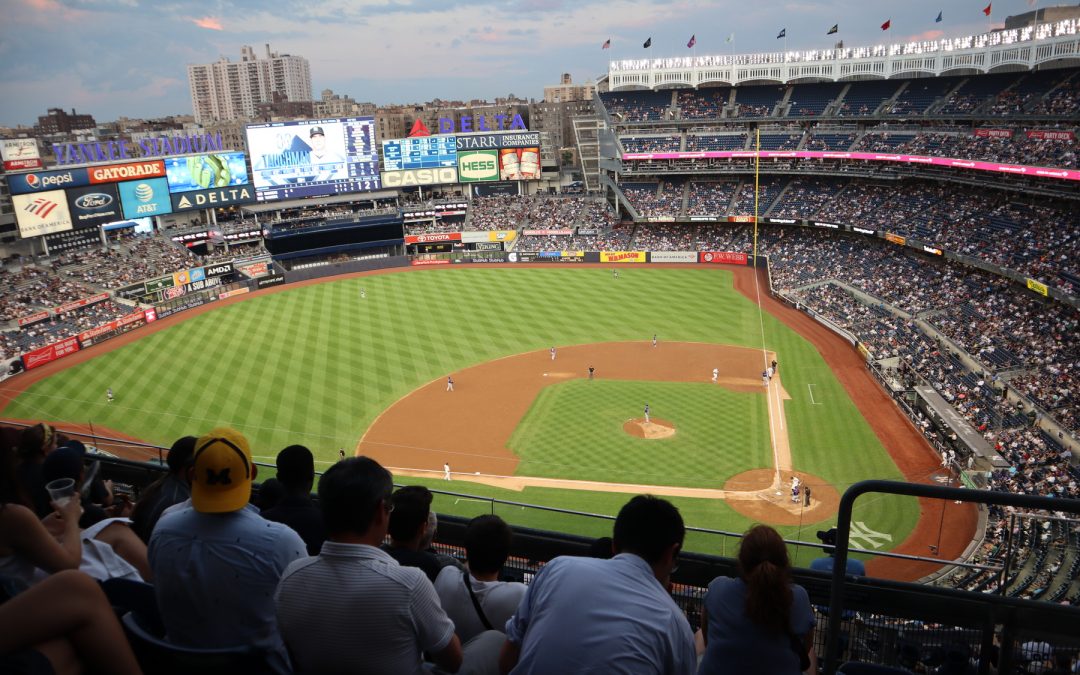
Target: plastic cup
[61,490]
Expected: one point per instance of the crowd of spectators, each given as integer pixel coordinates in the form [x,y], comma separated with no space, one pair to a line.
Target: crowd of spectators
[537,212]
[58,326]
[651,143]
[33,288]
[246,249]
[655,200]
[709,198]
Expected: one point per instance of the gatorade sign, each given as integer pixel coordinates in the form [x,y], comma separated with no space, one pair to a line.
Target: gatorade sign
[481,165]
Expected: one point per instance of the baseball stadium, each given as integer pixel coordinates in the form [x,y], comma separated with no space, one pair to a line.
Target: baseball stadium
[836,294]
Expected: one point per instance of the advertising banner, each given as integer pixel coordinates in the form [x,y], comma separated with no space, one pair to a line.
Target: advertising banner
[523,139]
[218,269]
[85,302]
[56,350]
[43,213]
[150,314]
[414,177]
[519,164]
[828,226]
[313,158]
[590,231]
[33,318]
[487,246]
[19,154]
[478,165]
[189,302]
[494,235]
[155,285]
[548,233]
[740,219]
[108,330]
[780,221]
[895,238]
[673,257]
[493,189]
[115,173]
[144,198]
[235,291]
[660,219]
[205,172]
[479,257]
[862,230]
[42,181]
[546,256]
[1038,287]
[1042,172]
[94,205]
[428,261]
[272,280]
[622,256]
[255,270]
[213,198]
[433,237]
[994,133]
[704,219]
[1051,135]
[932,250]
[722,258]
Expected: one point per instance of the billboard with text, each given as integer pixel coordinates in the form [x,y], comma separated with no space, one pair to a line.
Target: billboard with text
[478,165]
[94,205]
[19,154]
[519,164]
[142,198]
[204,172]
[42,213]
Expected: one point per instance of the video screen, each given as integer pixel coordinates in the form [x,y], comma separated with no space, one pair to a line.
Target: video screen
[519,164]
[141,225]
[422,152]
[313,158]
[202,172]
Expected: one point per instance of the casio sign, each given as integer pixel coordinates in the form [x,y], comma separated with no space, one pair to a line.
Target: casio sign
[419,177]
[94,200]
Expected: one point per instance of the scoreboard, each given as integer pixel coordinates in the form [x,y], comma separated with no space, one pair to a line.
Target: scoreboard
[422,152]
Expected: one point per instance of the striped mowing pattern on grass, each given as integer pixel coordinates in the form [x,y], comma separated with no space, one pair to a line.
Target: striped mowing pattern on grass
[575,429]
[316,364]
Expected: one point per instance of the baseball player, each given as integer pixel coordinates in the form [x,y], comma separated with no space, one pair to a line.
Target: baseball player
[341,454]
[765,378]
[591,371]
[363,293]
[614,273]
[109,395]
[795,489]
[770,371]
[806,496]
[450,383]
[715,375]
[552,353]
[646,413]
[654,340]
[446,470]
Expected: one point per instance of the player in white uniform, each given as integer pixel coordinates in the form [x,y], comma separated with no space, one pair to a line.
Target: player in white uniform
[715,374]
[450,383]
[109,395]
[646,413]
[446,470]
[552,353]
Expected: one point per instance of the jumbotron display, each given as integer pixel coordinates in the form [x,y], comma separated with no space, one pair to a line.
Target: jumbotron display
[423,152]
[313,158]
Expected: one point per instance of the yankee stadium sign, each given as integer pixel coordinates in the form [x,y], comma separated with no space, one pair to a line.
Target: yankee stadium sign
[110,151]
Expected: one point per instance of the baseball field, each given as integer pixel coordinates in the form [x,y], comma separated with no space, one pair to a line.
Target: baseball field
[318,364]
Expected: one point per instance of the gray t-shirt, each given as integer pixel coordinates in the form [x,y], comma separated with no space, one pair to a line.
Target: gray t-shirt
[499,599]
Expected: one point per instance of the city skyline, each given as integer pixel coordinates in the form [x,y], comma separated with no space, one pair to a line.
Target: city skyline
[417,51]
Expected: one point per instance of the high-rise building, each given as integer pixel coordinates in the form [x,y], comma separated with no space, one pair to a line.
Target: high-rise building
[225,91]
[567,92]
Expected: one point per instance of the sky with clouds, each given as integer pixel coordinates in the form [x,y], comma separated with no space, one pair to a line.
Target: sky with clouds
[113,58]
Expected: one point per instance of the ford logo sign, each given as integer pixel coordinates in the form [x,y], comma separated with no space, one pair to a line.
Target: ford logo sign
[94,200]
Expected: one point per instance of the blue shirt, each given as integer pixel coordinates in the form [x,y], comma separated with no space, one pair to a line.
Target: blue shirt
[215,575]
[584,615]
[852,567]
[738,646]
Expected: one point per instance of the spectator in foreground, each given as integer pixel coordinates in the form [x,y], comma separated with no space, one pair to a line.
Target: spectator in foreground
[475,600]
[412,529]
[216,561]
[296,473]
[353,608]
[852,567]
[173,488]
[759,622]
[35,443]
[608,616]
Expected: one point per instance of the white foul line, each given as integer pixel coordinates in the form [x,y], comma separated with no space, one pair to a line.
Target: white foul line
[809,388]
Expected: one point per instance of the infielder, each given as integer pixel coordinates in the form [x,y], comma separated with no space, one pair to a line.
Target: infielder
[450,383]
[765,378]
[654,340]
[591,371]
[715,374]
[552,353]
[770,371]
[446,470]
[646,413]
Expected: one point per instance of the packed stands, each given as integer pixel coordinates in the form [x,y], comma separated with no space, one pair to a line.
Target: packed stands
[652,144]
[637,106]
[710,198]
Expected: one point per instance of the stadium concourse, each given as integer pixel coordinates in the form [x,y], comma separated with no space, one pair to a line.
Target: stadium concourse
[982,314]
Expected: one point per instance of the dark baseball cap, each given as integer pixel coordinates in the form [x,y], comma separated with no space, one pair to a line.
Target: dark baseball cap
[316,131]
[64,462]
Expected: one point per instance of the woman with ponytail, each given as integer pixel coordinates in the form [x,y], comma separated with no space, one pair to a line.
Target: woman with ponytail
[759,622]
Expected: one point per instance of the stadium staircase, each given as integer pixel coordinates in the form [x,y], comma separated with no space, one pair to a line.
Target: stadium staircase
[888,103]
[941,102]
[684,205]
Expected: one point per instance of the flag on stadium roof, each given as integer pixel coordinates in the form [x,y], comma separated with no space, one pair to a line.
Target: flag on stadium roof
[692,42]
[835,28]
[607,44]
[648,43]
[938,19]
[783,33]
[885,26]
[986,10]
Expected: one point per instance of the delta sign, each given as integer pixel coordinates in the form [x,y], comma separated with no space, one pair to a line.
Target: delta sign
[468,124]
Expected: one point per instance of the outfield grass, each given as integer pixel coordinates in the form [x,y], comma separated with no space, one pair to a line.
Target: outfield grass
[575,429]
[316,364]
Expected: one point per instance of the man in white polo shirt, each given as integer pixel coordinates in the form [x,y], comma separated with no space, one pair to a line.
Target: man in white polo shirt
[353,608]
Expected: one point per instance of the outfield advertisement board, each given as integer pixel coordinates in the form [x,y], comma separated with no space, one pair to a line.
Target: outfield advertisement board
[112,328]
[722,257]
[213,198]
[50,353]
[142,198]
[673,257]
[30,319]
[519,164]
[434,237]
[270,280]
[78,304]
[94,205]
[313,158]
[203,172]
[491,235]
[414,177]
[546,256]
[622,256]
[42,213]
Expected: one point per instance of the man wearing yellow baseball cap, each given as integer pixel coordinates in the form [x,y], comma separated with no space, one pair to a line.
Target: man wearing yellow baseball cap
[216,561]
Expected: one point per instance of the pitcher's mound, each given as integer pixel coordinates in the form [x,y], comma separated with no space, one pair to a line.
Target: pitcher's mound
[651,430]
